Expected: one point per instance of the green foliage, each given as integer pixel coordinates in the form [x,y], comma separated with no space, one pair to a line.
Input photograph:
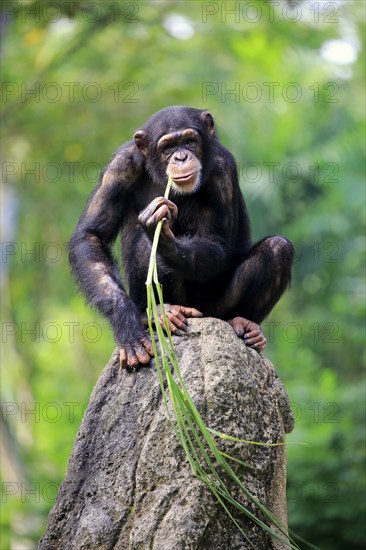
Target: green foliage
[96,76]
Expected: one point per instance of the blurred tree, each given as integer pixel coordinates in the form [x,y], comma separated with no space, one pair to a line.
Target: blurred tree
[284,81]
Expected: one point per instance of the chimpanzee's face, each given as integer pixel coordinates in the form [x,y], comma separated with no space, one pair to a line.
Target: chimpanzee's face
[180,152]
[172,150]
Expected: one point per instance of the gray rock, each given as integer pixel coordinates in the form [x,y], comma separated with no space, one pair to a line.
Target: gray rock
[128,484]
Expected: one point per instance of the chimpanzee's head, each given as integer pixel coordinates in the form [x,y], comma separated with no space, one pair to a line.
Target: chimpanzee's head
[178,142]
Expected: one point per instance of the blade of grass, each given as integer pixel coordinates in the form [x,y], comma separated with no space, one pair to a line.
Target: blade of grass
[233,438]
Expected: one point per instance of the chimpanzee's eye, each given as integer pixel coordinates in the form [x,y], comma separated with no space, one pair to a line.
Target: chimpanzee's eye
[190,141]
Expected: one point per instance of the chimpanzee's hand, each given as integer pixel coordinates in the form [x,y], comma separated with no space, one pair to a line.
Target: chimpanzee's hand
[159,209]
[134,344]
[177,317]
[250,332]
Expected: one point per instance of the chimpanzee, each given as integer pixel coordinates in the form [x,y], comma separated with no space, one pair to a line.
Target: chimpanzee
[207,263]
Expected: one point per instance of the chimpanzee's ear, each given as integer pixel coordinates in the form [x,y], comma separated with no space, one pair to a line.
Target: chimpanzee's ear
[141,141]
[207,119]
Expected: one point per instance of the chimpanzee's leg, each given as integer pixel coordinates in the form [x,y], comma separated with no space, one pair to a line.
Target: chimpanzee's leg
[258,282]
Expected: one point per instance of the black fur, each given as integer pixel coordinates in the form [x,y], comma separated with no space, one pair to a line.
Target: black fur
[212,264]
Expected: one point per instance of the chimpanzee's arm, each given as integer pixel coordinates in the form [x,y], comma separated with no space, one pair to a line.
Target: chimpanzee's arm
[91,259]
[198,257]
[222,232]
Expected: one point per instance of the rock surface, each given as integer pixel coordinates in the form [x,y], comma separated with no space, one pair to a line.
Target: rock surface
[128,485]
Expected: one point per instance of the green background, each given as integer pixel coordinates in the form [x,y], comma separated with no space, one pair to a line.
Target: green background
[77,79]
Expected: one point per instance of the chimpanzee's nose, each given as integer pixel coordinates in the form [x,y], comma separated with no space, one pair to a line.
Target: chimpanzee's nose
[180,156]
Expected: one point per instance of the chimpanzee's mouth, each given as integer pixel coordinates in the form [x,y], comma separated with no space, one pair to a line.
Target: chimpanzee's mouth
[181,180]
